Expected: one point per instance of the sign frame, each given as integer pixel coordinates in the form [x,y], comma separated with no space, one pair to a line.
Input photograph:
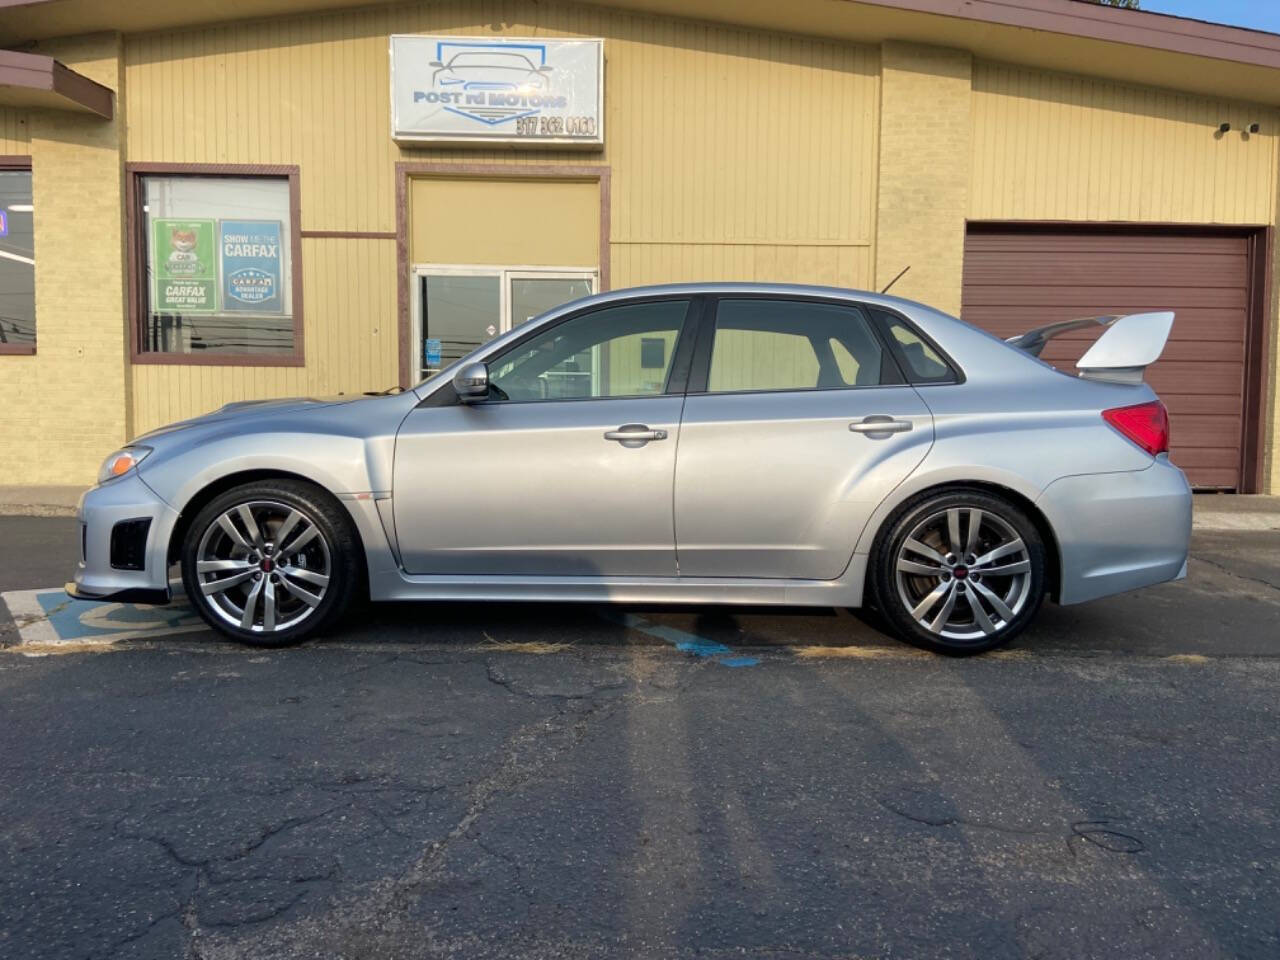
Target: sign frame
[409,137]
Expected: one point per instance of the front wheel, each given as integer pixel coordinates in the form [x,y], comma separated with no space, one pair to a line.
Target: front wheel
[960,571]
[270,563]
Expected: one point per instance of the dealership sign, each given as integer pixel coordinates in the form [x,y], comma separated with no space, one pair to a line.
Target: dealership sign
[531,92]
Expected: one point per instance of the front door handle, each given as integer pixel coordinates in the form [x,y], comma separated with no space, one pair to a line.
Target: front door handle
[879,426]
[634,433]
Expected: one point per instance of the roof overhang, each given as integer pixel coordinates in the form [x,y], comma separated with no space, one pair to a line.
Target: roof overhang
[29,80]
[1128,45]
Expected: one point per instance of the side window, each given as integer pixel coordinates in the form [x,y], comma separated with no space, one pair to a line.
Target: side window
[17,264]
[923,362]
[762,344]
[622,351]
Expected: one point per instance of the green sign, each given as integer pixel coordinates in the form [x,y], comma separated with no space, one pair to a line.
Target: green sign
[185,270]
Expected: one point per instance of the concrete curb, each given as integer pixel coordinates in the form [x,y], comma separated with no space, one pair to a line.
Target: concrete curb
[35,510]
[39,501]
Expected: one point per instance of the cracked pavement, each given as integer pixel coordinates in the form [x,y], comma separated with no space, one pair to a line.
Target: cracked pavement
[425,786]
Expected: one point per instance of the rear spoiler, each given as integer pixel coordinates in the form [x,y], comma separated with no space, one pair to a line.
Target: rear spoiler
[1128,346]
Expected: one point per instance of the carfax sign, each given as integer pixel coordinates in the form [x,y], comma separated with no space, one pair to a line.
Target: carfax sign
[185,271]
[532,92]
[251,274]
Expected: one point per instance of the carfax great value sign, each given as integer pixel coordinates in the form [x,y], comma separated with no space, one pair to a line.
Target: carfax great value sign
[530,92]
[185,269]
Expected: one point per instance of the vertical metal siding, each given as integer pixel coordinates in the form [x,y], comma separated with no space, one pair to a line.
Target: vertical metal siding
[1050,146]
[735,154]
[15,133]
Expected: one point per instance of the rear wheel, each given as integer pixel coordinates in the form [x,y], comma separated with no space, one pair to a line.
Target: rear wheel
[271,563]
[960,571]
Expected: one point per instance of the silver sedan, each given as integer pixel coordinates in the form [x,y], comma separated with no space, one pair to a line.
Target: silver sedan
[697,444]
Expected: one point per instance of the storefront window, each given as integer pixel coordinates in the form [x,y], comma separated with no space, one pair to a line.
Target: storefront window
[17,264]
[218,265]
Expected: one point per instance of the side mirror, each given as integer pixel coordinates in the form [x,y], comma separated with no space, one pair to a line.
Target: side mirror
[435,63]
[472,382]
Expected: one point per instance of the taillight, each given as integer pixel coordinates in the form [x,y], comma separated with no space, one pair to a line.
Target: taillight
[1146,424]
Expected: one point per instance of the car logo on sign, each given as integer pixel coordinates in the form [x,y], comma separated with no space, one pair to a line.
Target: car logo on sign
[491,83]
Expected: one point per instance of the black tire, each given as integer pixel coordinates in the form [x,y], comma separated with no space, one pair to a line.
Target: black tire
[332,554]
[1002,525]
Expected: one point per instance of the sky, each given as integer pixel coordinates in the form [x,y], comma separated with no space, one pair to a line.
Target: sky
[1258,14]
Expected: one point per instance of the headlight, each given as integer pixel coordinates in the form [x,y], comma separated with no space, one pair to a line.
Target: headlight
[121,462]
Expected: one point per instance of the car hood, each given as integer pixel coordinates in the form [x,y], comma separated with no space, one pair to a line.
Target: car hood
[248,409]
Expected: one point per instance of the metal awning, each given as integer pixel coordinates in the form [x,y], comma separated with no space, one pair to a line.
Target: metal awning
[30,80]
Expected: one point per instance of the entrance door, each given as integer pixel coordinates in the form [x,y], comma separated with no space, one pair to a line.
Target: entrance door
[566,470]
[458,307]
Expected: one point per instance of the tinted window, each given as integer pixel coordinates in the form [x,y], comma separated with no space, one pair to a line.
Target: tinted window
[792,345]
[923,362]
[622,351]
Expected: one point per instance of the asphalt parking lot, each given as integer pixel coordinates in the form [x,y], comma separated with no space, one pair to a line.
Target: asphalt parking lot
[550,781]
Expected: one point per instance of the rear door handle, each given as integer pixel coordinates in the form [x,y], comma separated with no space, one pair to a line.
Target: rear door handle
[634,433]
[879,426]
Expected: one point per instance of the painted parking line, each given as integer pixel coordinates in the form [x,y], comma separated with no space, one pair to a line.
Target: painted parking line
[51,618]
[683,641]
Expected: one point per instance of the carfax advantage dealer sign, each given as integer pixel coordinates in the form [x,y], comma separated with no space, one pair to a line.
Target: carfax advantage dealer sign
[531,92]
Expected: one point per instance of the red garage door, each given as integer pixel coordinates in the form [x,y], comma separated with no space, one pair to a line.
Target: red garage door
[1016,279]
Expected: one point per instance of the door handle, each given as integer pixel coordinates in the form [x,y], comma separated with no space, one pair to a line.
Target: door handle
[634,433]
[879,426]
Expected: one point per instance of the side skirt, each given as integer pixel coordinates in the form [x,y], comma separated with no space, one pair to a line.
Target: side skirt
[844,592]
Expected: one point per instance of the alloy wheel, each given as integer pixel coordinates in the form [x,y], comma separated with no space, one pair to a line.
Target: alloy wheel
[963,573]
[263,566]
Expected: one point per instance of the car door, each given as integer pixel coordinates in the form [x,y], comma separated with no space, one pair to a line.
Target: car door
[567,469]
[797,424]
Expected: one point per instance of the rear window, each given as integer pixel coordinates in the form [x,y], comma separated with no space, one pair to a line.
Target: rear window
[924,364]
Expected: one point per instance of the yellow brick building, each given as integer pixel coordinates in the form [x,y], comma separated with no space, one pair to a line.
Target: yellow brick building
[203,210]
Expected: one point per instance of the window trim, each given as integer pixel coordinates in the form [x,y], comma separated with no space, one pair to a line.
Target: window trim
[135,224]
[677,375]
[700,376]
[19,163]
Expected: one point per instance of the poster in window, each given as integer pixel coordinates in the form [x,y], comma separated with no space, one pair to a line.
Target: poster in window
[251,266]
[185,272]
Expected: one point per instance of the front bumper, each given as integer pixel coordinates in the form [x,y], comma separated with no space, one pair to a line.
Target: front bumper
[1119,531]
[100,510]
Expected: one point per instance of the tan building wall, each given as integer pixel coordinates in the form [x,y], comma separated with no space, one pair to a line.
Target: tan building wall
[734,154]
[924,171]
[67,406]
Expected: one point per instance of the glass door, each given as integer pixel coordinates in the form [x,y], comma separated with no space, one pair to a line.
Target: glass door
[532,294]
[458,308]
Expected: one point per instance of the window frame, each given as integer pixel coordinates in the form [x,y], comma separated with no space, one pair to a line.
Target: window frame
[699,378]
[21,163]
[135,227]
[677,375]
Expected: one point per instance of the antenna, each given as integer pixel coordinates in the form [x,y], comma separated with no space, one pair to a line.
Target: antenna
[896,279]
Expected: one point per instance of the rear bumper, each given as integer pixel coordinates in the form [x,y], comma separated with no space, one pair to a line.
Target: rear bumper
[99,511]
[1119,531]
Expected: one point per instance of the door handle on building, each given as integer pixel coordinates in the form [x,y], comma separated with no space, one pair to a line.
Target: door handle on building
[879,426]
[634,433]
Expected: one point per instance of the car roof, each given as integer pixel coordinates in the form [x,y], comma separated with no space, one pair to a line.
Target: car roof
[780,289]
